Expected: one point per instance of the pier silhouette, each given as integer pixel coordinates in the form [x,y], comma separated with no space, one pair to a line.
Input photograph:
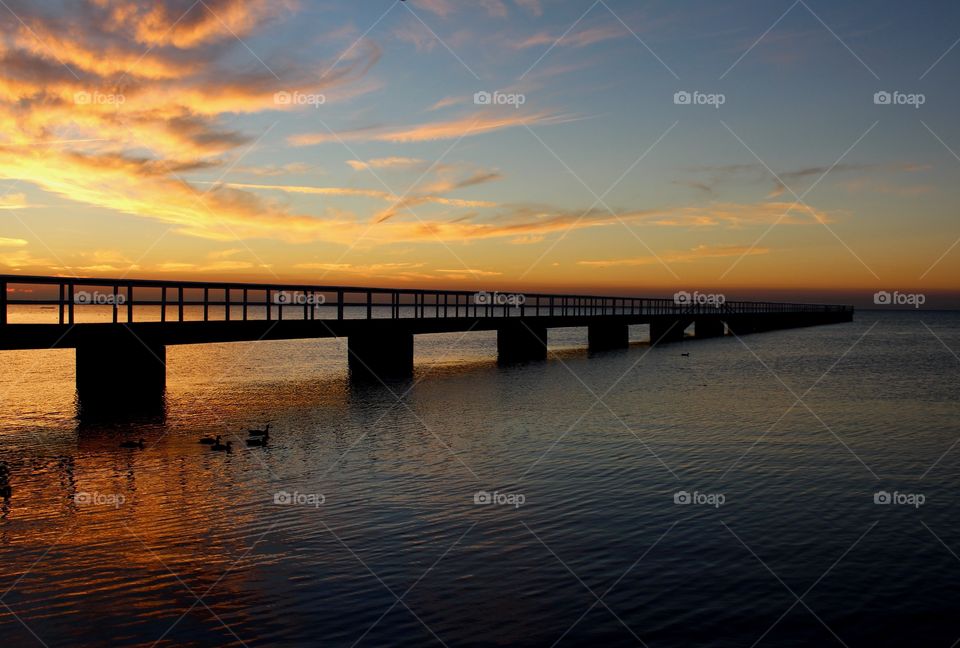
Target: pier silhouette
[120,328]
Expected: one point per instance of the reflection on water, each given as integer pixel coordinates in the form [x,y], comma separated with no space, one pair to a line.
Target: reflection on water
[365,493]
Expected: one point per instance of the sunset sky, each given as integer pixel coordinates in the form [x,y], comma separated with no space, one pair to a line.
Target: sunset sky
[340,143]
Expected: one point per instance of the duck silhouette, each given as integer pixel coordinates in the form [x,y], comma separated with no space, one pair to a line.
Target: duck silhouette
[133,444]
[221,447]
[210,440]
[261,433]
[5,489]
[257,442]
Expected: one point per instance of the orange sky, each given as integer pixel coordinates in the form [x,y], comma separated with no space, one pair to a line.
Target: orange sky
[344,143]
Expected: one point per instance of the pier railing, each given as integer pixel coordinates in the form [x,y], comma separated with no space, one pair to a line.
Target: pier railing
[133,300]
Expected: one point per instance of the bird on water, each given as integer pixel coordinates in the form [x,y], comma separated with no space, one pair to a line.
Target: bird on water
[261,433]
[222,447]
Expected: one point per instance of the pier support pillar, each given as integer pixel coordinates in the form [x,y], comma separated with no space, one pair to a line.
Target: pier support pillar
[383,355]
[709,327]
[742,325]
[666,330]
[520,342]
[604,337]
[120,376]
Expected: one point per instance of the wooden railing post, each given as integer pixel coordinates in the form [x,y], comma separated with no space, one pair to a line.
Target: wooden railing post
[206,304]
[369,305]
[180,303]
[245,304]
[129,303]
[116,304]
[3,302]
[70,291]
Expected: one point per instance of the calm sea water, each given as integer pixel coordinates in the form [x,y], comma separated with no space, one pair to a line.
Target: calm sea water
[781,440]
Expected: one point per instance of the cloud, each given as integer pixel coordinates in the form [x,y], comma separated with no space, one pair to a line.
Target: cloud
[442,8]
[447,102]
[532,6]
[473,272]
[111,104]
[414,33]
[495,8]
[12,242]
[353,192]
[216,266]
[386,163]
[444,184]
[698,253]
[727,173]
[467,126]
[295,168]
[13,201]
[738,215]
[860,185]
[578,38]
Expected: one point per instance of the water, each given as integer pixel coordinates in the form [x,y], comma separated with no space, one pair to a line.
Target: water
[178,545]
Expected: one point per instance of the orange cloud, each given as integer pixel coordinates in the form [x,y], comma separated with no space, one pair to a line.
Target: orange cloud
[386,163]
[468,126]
[13,201]
[698,253]
[363,193]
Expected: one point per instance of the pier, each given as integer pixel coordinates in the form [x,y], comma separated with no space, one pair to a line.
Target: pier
[120,328]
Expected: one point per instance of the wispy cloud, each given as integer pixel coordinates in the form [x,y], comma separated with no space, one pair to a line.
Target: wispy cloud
[13,201]
[466,126]
[579,38]
[699,253]
[365,193]
[387,163]
[533,6]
